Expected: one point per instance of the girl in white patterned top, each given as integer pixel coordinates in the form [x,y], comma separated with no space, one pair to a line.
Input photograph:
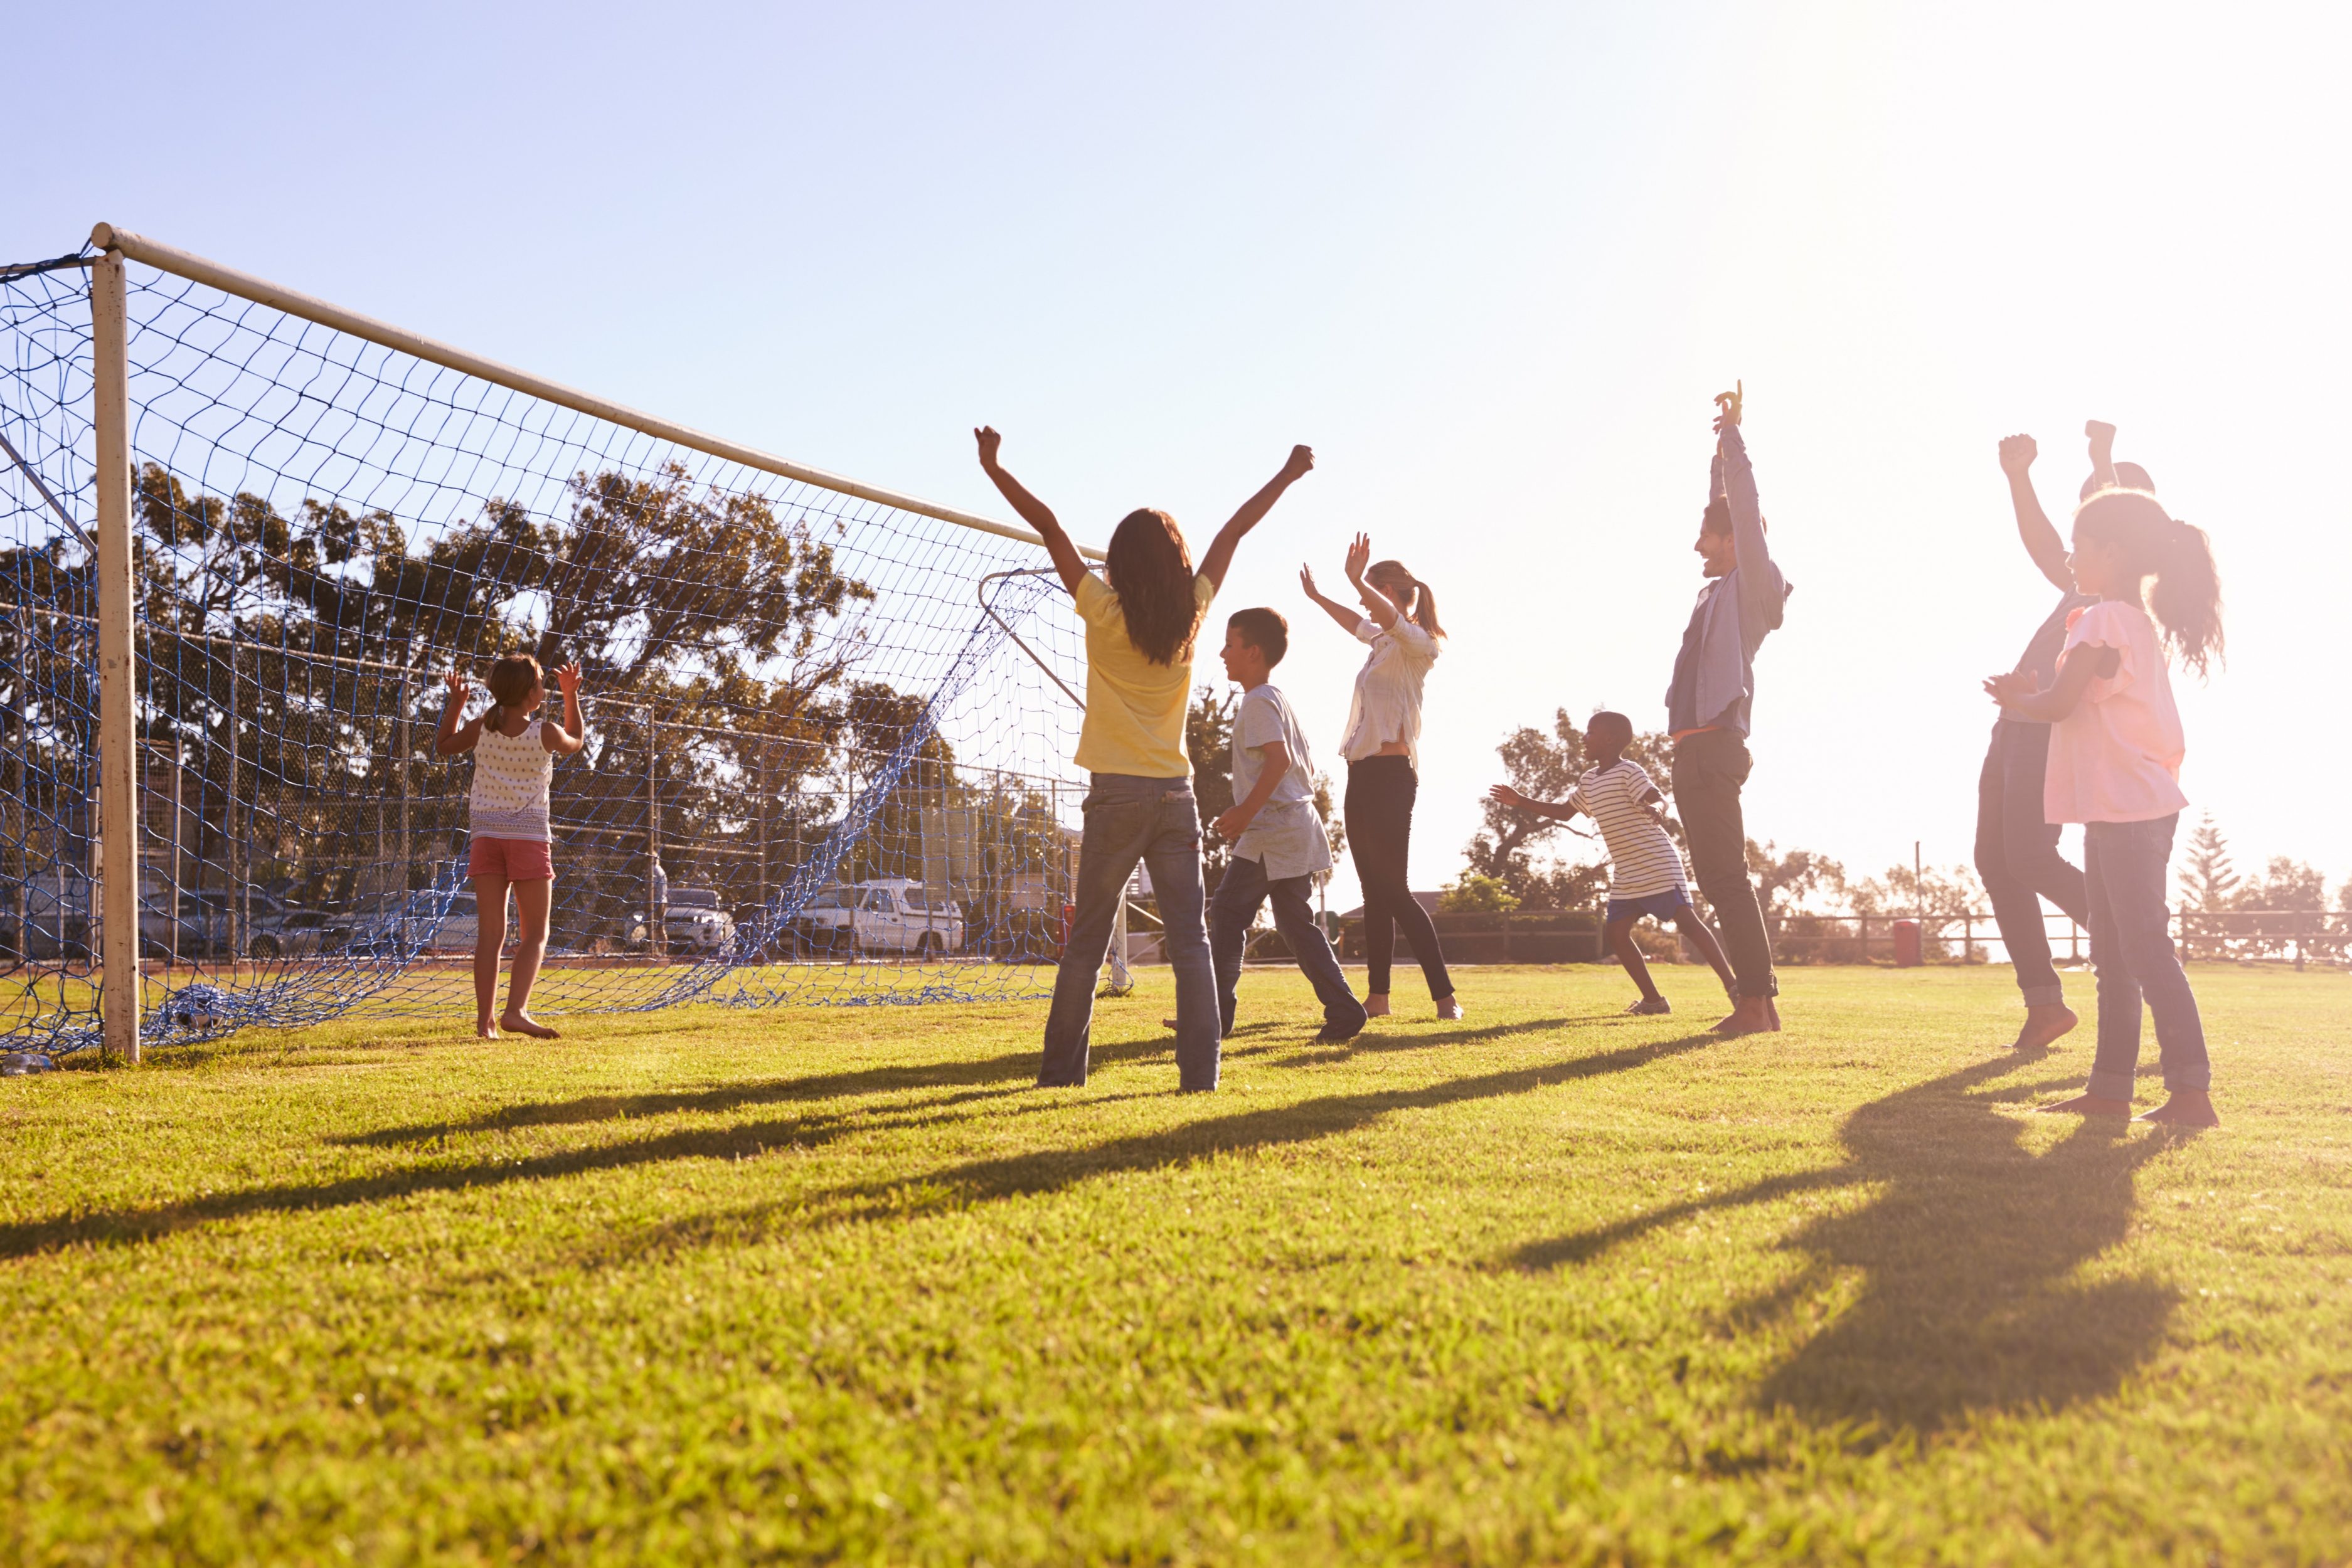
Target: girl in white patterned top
[514,756]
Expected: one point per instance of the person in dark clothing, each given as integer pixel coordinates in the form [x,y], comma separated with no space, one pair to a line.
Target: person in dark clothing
[2017,851]
[1707,710]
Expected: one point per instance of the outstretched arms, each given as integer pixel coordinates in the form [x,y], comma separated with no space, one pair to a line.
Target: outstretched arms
[1219,557]
[1346,617]
[1504,795]
[2041,539]
[452,739]
[1068,562]
[1377,605]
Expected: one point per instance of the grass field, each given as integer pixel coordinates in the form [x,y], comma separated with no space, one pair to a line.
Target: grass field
[1545,1284]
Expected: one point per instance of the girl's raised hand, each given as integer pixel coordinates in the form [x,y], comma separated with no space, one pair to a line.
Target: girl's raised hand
[1727,406]
[567,679]
[1360,556]
[460,684]
[1306,581]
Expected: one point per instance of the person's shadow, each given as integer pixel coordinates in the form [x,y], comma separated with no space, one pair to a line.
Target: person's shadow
[1970,1254]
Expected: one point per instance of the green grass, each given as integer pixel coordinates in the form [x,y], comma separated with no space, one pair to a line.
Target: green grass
[1547,1284]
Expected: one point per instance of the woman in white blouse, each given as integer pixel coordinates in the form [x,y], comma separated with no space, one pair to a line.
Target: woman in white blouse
[1382,746]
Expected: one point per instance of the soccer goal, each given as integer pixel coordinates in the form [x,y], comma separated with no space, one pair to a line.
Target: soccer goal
[248,533]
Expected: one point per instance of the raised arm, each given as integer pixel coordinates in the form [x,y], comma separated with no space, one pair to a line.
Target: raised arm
[1068,562]
[2042,540]
[1346,617]
[453,737]
[2103,452]
[1378,605]
[573,734]
[1220,559]
[1762,594]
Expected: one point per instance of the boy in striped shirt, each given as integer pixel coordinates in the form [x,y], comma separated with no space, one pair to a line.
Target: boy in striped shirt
[1645,872]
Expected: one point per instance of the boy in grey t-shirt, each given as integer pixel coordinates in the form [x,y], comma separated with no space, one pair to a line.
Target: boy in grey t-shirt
[1277,838]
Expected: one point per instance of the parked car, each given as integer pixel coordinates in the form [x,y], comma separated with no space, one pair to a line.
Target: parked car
[888,915]
[207,923]
[692,922]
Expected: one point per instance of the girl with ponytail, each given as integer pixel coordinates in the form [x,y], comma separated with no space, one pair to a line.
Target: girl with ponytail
[2115,747]
[1382,746]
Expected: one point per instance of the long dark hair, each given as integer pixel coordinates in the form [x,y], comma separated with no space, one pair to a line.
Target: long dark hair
[2186,598]
[1418,605]
[1151,572]
[512,676]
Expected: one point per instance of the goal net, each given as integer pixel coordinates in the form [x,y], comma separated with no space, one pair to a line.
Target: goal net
[827,728]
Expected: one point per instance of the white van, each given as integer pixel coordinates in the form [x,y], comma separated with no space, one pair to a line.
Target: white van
[889,916]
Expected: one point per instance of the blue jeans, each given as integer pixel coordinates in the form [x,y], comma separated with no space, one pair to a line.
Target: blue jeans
[1155,820]
[2131,947]
[1245,887]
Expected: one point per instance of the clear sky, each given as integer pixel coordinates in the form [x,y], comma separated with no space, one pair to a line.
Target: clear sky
[1490,261]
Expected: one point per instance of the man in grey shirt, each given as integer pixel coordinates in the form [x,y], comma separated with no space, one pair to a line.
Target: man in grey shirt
[1279,847]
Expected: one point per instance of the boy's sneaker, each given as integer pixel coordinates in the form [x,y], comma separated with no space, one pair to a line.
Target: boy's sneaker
[1650,1006]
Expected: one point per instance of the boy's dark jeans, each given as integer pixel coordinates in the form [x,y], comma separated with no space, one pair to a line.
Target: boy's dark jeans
[1709,768]
[1244,888]
[2018,858]
[1155,820]
[2123,866]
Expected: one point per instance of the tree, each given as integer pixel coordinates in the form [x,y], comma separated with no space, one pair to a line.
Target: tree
[2207,882]
[1785,882]
[1477,894]
[1547,767]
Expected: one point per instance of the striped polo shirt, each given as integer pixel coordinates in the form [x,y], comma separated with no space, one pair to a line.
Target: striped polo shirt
[1641,857]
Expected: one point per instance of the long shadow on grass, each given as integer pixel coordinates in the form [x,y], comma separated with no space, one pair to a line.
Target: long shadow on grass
[123,1227]
[1017,1068]
[1050,1170]
[1966,1253]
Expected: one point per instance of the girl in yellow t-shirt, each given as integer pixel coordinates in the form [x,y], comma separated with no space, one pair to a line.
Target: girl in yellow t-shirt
[1140,630]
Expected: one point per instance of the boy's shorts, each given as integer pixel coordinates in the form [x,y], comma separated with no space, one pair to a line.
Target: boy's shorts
[514,860]
[1660,905]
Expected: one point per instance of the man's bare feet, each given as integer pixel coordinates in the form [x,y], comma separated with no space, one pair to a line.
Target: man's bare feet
[486,1028]
[523,1023]
[2091,1105]
[2044,1025]
[1752,1015]
[1448,1007]
[1376,1005]
[2186,1108]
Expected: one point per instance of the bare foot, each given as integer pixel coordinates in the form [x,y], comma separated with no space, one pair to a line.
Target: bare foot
[523,1023]
[1753,1015]
[2091,1105]
[2044,1025]
[1772,1011]
[486,1028]
[1448,1007]
[1377,1005]
[2186,1108]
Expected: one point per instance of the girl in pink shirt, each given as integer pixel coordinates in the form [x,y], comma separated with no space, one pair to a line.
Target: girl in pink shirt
[2115,765]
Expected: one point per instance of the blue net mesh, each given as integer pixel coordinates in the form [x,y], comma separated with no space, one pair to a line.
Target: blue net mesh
[828,738]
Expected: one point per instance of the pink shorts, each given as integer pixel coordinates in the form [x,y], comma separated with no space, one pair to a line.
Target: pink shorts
[510,860]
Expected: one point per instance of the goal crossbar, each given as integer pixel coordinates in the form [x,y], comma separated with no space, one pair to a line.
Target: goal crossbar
[261,291]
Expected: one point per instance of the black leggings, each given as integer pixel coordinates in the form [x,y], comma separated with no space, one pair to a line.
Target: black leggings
[1381,791]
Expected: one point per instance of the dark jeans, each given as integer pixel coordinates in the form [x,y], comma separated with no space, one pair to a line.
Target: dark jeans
[1244,888]
[1709,769]
[1381,791]
[2018,858]
[1154,821]
[2124,865]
